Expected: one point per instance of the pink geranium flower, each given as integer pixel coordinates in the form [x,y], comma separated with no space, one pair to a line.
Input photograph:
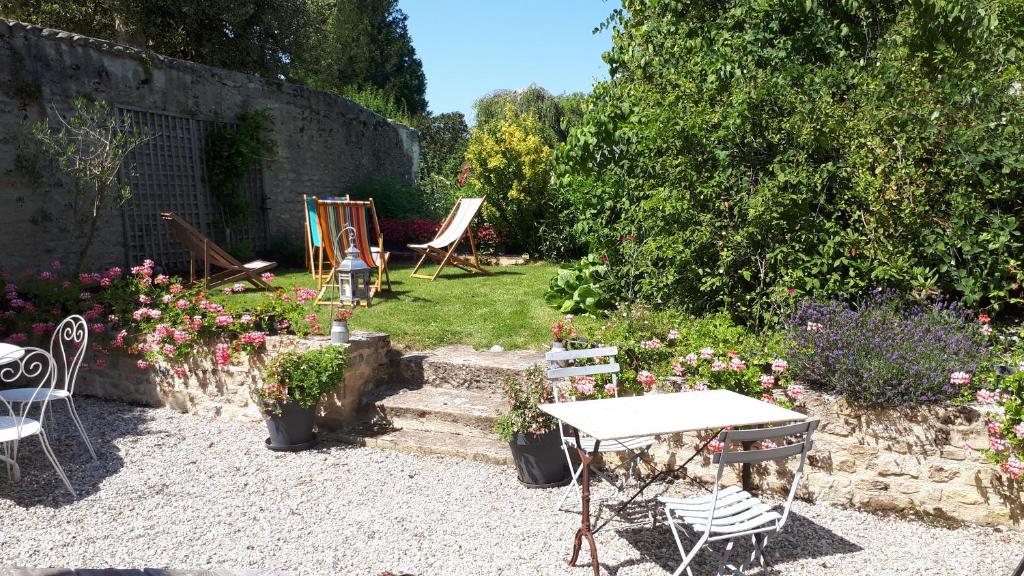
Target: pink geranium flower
[142,364]
[779,365]
[767,380]
[646,379]
[267,276]
[795,391]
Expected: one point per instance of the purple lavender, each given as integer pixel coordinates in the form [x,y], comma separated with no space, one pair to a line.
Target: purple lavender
[883,350]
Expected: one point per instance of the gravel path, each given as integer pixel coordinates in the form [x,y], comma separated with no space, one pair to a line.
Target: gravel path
[180,491]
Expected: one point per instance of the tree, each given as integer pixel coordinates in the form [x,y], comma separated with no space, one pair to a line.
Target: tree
[252,36]
[90,146]
[365,44]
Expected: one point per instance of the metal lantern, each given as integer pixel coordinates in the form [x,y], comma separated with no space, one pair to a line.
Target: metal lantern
[353,274]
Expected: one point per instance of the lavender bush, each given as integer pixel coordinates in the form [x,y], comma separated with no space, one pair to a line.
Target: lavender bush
[882,351]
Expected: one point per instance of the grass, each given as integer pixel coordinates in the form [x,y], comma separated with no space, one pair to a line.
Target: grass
[506,309]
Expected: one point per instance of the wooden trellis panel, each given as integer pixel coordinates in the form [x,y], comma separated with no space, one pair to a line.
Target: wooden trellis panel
[167,174]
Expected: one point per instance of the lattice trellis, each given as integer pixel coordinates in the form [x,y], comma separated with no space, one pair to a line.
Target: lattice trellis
[168,174]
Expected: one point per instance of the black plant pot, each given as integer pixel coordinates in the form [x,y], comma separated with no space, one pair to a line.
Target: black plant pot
[540,460]
[290,426]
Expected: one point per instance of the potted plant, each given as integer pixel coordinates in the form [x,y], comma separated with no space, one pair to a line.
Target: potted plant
[339,326]
[292,385]
[532,435]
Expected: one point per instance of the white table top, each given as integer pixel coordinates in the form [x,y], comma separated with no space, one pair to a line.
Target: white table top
[10,353]
[630,416]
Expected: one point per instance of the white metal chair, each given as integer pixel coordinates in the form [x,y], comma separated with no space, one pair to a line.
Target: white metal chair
[36,366]
[67,348]
[730,513]
[635,448]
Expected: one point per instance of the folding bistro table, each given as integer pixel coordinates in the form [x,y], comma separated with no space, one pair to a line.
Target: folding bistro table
[630,416]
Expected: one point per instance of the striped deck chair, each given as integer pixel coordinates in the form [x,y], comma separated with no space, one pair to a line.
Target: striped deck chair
[442,248]
[333,216]
[202,248]
[313,244]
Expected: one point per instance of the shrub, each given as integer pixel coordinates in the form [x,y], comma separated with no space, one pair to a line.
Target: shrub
[852,145]
[301,377]
[523,395]
[576,288]
[398,232]
[1006,430]
[509,161]
[883,351]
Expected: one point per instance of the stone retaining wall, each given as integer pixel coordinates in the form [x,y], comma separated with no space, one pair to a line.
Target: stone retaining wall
[920,460]
[213,390]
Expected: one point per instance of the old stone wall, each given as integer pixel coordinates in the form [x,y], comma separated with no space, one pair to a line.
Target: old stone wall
[211,390]
[325,144]
[920,460]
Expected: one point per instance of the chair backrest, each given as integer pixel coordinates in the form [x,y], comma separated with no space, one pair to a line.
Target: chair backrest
[199,244]
[334,216]
[457,223]
[787,441]
[560,368]
[312,222]
[27,367]
[67,348]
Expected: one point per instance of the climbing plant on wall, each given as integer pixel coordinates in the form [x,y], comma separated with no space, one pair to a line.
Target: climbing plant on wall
[232,150]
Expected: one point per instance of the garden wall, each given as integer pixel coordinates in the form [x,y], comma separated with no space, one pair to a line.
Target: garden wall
[211,390]
[920,460]
[324,143]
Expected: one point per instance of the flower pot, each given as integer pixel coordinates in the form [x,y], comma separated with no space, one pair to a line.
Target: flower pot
[339,332]
[290,426]
[540,460]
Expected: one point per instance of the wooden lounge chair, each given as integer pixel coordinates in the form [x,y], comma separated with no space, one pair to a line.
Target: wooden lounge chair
[442,248]
[313,244]
[333,216]
[202,248]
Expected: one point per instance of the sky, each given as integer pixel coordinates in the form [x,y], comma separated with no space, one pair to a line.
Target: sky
[472,47]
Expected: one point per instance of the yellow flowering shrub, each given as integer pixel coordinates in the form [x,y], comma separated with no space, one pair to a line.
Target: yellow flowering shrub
[510,164]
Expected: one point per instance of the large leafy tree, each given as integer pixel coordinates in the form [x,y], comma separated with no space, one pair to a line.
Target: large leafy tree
[745,150]
[252,36]
[365,44]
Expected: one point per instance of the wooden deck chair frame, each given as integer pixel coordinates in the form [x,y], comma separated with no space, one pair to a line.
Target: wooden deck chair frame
[329,280]
[444,257]
[312,250]
[202,248]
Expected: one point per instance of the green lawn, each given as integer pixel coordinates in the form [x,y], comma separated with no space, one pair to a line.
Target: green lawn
[458,308]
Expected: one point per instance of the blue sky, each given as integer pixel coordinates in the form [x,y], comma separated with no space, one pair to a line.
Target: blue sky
[470,48]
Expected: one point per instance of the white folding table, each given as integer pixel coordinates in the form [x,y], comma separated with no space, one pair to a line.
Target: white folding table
[650,415]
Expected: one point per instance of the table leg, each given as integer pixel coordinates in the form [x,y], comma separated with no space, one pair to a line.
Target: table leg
[746,476]
[585,530]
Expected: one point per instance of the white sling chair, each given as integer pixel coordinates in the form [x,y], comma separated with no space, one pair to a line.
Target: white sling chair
[35,366]
[635,448]
[730,513]
[67,349]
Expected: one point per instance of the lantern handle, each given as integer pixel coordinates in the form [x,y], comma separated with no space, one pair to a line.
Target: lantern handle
[351,235]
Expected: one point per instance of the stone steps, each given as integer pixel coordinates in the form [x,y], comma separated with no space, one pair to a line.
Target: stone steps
[439,443]
[463,367]
[450,410]
[443,402]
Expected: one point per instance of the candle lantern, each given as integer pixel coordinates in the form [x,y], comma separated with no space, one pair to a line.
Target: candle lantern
[353,274]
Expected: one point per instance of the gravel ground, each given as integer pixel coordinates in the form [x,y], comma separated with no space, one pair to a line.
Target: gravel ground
[180,491]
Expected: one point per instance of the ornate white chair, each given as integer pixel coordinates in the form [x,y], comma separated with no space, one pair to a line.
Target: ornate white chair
[67,348]
[36,367]
[635,449]
[730,513]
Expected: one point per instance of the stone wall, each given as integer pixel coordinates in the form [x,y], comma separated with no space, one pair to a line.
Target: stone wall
[324,143]
[922,461]
[213,390]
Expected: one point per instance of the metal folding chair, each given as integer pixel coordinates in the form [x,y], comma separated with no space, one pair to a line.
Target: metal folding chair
[636,448]
[730,513]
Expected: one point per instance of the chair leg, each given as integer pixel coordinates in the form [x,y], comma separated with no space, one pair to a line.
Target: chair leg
[81,429]
[53,460]
[574,484]
[687,556]
[10,461]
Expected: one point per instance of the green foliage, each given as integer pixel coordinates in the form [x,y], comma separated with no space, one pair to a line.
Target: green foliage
[302,377]
[90,146]
[742,148]
[509,162]
[360,46]
[232,150]
[1006,430]
[443,141]
[523,394]
[391,199]
[379,101]
[256,37]
[576,288]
